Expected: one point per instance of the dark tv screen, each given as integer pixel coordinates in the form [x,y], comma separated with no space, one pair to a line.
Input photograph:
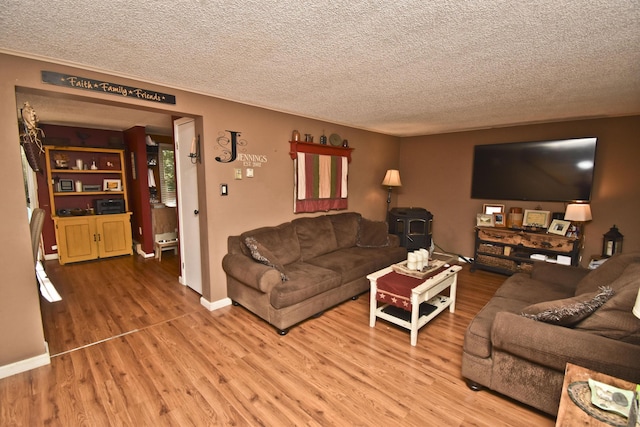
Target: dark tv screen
[551,171]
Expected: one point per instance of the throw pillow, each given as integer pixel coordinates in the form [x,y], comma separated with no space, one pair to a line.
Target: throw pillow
[568,311]
[264,256]
[372,234]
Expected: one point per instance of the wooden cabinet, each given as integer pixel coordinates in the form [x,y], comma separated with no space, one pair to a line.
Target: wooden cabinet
[77,177]
[84,238]
[510,251]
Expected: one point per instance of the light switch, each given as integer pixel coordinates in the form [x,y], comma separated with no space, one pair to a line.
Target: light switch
[238,173]
[224,190]
[249,172]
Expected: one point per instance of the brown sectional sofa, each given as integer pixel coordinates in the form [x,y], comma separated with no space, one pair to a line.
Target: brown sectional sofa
[521,341]
[288,273]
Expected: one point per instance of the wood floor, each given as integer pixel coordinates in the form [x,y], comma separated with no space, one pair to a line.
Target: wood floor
[133,347]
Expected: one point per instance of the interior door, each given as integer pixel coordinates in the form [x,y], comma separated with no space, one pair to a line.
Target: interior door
[188,209]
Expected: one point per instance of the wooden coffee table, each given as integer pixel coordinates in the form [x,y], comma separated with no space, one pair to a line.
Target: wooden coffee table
[427,291]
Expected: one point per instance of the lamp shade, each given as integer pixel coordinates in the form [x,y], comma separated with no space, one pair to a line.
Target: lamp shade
[636,308]
[578,212]
[392,178]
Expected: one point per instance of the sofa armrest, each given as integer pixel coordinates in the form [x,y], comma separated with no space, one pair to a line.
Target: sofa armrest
[251,273]
[564,276]
[553,346]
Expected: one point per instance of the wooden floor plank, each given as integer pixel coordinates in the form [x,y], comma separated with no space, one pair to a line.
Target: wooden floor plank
[134,347]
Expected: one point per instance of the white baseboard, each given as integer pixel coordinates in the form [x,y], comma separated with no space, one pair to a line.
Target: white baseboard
[215,305]
[49,257]
[142,253]
[26,364]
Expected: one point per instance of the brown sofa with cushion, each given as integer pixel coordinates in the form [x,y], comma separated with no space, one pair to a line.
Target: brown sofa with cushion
[288,273]
[521,341]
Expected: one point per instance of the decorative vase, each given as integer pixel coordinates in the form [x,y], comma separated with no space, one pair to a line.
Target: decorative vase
[295,136]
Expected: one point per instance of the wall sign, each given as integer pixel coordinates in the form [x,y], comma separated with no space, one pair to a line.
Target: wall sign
[77,82]
[252,160]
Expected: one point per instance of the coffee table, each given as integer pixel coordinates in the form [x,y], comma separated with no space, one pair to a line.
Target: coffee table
[426,301]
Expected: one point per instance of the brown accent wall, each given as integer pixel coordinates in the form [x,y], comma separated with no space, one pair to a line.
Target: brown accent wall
[436,174]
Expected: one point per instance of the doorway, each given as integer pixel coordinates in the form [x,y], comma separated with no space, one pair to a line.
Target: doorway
[80,111]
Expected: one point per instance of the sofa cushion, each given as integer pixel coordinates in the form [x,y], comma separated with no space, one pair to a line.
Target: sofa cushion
[372,234]
[615,319]
[264,256]
[315,235]
[477,339]
[522,287]
[305,281]
[281,240]
[345,228]
[568,311]
[607,273]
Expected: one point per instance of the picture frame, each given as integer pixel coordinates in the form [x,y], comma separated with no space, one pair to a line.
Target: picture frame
[536,218]
[499,219]
[492,208]
[66,186]
[484,220]
[559,227]
[111,185]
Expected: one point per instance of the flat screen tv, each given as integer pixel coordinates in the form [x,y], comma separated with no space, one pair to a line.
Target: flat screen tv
[548,171]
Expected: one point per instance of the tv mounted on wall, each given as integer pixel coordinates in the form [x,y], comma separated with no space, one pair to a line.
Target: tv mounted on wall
[548,171]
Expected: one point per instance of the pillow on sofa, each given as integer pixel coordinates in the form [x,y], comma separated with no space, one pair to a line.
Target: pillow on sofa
[568,311]
[264,256]
[614,319]
[372,234]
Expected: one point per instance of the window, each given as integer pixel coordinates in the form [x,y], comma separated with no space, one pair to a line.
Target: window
[167,170]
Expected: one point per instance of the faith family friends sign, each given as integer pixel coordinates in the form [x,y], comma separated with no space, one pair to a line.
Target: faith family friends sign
[77,82]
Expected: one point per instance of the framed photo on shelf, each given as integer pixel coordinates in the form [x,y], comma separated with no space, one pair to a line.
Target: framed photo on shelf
[559,227]
[484,220]
[499,219]
[535,218]
[491,209]
[111,185]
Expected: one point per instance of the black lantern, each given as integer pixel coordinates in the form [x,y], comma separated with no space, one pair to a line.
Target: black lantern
[612,243]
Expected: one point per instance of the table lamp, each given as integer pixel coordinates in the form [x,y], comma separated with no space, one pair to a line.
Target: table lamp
[579,213]
[391,179]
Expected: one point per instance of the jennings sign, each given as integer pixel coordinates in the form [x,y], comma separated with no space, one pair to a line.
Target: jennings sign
[77,82]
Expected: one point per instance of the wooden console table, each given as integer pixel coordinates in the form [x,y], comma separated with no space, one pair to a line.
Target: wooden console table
[508,251]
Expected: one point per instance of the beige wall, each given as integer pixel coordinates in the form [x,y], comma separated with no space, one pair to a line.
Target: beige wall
[436,174]
[21,335]
[266,199]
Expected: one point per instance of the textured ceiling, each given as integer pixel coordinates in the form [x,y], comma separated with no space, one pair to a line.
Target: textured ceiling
[408,67]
